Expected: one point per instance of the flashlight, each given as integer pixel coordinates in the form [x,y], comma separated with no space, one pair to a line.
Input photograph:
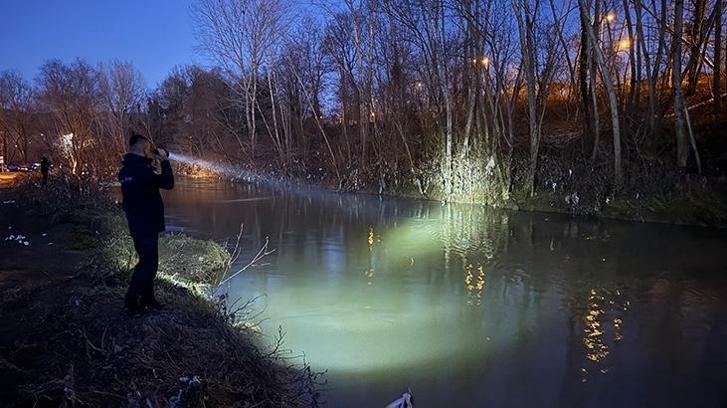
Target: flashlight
[157,151]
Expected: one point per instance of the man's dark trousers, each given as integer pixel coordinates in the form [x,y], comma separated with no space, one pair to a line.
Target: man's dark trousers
[142,280]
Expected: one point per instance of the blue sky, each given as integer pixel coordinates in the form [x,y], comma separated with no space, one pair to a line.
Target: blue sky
[154,35]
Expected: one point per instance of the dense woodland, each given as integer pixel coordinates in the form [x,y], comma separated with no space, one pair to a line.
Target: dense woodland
[460,99]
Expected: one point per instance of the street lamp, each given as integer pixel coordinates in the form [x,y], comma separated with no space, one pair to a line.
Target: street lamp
[624,44]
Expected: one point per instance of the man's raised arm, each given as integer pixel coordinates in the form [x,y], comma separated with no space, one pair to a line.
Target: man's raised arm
[166,179]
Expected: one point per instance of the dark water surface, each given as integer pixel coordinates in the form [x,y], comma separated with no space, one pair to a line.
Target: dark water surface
[470,306]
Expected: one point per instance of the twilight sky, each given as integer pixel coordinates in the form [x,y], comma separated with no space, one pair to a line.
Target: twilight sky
[154,35]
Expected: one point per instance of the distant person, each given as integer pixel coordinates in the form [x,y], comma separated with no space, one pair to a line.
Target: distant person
[44,168]
[144,210]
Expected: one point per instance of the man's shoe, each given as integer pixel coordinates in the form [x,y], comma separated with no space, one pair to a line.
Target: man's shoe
[133,308]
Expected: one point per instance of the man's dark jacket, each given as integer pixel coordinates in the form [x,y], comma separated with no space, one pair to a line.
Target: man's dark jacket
[140,190]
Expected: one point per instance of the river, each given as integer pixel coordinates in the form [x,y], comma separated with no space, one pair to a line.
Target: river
[470,306]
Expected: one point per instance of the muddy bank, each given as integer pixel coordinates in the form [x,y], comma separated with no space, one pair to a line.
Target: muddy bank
[66,341]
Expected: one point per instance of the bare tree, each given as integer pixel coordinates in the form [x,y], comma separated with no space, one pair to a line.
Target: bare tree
[537,80]
[238,34]
[647,58]
[16,115]
[337,45]
[681,114]
[425,24]
[608,84]
[527,50]
[71,93]
[122,92]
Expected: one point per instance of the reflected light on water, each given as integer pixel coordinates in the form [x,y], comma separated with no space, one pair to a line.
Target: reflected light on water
[604,307]
[389,325]
[596,348]
[474,286]
[370,337]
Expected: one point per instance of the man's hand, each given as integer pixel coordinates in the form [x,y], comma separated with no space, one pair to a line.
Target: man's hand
[163,154]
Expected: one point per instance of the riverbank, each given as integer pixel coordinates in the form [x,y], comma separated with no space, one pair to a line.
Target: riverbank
[66,341]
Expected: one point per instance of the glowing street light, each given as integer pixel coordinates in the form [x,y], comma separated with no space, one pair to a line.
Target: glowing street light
[611,17]
[485,61]
[624,44]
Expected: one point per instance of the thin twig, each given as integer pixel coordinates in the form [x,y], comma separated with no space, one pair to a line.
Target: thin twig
[263,252]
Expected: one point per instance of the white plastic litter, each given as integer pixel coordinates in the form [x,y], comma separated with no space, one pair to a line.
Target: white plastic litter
[406,401]
[20,239]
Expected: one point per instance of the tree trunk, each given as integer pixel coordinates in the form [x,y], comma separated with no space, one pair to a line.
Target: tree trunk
[696,39]
[717,71]
[344,118]
[253,103]
[650,82]
[595,117]
[526,49]
[363,126]
[561,39]
[593,81]
[605,75]
[583,81]
[472,78]
[679,108]
[275,119]
[632,56]
[655,74]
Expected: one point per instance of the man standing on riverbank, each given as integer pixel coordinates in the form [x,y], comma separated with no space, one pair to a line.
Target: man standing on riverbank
[144,210]
[44,169]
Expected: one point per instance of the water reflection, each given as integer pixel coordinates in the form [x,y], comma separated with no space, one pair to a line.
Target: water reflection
[474,285]
[473,306]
